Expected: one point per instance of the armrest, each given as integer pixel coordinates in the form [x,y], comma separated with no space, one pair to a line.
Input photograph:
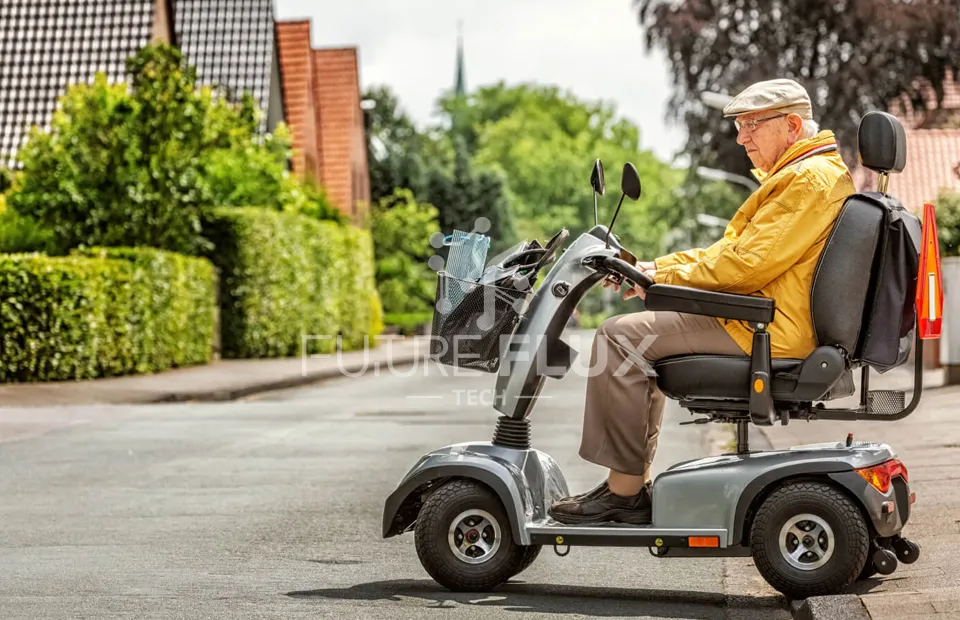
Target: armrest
[721,305]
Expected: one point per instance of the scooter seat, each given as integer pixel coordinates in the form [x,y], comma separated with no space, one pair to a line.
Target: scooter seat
[727,377]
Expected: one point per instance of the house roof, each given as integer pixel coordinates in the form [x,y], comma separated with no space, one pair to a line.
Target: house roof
[231,43]
[933,164]
[933,154]
[46,46]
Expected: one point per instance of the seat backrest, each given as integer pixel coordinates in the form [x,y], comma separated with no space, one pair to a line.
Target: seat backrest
[841,283]
[851,268]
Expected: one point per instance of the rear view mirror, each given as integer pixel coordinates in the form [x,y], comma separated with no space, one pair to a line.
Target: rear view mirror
[596,179]
[630,182]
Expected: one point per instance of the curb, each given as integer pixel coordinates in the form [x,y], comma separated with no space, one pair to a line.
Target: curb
[836,607]
[273,386]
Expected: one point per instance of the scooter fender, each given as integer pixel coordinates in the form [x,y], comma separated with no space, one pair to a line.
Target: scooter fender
[526,481]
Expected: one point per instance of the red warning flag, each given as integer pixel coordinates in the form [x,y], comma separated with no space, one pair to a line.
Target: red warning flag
[929,281]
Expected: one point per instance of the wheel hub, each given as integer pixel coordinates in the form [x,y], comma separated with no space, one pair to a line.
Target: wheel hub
[806,542]
[474,536]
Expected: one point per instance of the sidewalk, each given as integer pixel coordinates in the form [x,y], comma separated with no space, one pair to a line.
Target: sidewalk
[928,442]
[218,381]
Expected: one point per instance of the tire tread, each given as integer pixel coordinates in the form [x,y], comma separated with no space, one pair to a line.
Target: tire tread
[434,516]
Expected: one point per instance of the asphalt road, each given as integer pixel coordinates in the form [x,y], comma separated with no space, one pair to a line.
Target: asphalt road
[270,508]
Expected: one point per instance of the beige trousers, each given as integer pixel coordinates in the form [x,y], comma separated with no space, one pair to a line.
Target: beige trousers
[624,408]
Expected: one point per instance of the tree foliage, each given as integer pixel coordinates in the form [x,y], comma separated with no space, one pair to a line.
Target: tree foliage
[247,169]
[119,167]
[521,156]
[948,223]
[471,199]
[395,147]
[851,55]
[544,141]
[401,229]
[139,164]
[437,167]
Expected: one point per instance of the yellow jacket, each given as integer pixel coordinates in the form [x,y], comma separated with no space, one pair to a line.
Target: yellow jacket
[771,246]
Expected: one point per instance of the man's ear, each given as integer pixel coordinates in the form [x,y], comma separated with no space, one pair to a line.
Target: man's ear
[796,126]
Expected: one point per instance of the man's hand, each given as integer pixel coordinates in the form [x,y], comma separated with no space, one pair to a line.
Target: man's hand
[648,267]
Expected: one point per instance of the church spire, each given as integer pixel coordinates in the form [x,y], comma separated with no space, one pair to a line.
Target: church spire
[460,88]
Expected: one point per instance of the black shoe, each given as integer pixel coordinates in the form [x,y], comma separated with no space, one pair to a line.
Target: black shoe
[605,506]
[597,490]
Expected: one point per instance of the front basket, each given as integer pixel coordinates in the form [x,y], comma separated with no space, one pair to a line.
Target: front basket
[472,322]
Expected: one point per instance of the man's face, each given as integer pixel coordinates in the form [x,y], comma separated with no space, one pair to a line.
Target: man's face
[766,141]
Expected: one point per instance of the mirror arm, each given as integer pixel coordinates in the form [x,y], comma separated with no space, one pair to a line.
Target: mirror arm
[615,214]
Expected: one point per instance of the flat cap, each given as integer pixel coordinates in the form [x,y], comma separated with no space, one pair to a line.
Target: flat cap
[782,95]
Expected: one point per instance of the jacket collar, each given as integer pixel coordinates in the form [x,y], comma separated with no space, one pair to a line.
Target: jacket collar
[799,149]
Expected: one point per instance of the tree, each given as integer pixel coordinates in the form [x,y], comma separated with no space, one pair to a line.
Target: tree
[851,55]
[544,141]
[465,195]
[436,166]
[140,164]
[246,169]
[395,146]
[119,167]
[401,229]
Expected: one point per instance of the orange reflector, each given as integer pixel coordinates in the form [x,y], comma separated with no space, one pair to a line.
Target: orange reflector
[758,386]
[703,541]
[929,281]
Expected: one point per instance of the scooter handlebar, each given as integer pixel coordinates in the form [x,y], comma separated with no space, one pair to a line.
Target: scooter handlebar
[628,271]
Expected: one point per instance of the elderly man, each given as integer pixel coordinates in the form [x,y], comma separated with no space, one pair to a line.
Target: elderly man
[770,248]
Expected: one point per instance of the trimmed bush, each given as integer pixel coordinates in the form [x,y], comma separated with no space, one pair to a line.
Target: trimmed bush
[285,276]
[105,313]
[174,307]
[361,314]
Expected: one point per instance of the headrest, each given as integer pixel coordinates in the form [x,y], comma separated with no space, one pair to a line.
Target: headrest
[882,142]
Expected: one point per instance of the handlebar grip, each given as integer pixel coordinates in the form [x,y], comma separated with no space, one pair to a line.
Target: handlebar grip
[628,271]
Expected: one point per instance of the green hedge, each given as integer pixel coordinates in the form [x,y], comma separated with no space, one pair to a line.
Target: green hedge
[284,275]
[104,313]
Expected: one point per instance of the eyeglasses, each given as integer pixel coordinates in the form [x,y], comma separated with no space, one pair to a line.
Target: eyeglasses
[751,125]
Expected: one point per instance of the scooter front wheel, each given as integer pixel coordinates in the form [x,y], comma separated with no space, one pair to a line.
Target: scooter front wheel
[464,541]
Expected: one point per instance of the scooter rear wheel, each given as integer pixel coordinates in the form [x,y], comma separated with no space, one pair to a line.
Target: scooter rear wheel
[809,539]
[464,541]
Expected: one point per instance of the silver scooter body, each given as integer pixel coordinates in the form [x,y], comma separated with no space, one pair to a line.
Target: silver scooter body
[710,498]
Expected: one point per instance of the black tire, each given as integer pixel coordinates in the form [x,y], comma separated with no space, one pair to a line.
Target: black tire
[851,539]
[869,570]
[438,558]
[529,555]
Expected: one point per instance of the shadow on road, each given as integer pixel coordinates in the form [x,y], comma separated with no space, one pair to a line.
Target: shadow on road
[519,596]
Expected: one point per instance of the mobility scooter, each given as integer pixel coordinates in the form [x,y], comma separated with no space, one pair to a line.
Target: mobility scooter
[814,517]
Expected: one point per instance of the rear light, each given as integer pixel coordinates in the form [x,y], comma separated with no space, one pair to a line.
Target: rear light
[880,475]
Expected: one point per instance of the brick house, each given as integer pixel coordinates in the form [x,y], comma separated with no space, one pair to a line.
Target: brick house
[236,45]
[322,93]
